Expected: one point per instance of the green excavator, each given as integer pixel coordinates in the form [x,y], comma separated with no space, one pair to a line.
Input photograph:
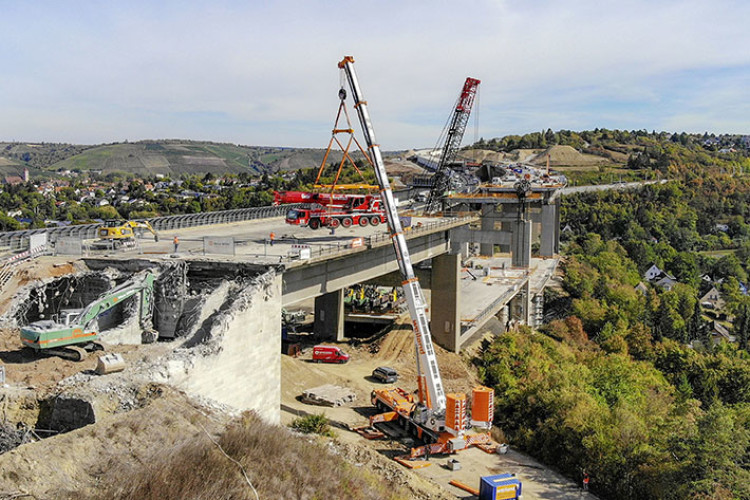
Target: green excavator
[75,332]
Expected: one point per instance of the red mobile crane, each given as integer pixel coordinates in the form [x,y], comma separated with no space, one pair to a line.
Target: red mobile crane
[441,179]
[330,208]
[359,210]
[438,418]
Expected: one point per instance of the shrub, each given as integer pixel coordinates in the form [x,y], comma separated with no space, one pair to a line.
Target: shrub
[313,424]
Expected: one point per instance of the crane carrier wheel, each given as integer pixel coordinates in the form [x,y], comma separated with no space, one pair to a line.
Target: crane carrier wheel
[363,221]
[375,220]
[334,223]
[346,222]
[314,224]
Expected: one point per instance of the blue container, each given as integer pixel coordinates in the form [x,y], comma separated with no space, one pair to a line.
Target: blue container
[499,487]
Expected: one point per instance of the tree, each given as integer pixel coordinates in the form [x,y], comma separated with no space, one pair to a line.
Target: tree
[696,325]
[741,323]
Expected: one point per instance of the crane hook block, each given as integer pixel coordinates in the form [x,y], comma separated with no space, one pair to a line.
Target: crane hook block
[342,93]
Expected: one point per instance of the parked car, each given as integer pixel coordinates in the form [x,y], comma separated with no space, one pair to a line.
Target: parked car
[385,374]
[329,354]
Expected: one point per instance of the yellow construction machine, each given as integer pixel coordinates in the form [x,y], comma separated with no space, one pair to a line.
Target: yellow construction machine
[115,232]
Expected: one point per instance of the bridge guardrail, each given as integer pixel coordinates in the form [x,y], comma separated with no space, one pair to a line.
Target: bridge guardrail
[18,240]
[368,241]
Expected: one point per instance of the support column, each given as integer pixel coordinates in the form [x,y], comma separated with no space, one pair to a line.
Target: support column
[488,224]
[503,316]
[520,305]
[445,321]
[527,303]
[329,316]
[521,245]
[550,233]
[461,248]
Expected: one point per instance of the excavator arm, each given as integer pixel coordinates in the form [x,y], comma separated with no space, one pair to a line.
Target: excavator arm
[143,285]
[144,225]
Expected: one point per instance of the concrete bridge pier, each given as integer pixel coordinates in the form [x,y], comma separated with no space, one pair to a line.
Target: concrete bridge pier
[488,224]
[329,316]
[521,243]
[550,230]
[520,305]
[445,304]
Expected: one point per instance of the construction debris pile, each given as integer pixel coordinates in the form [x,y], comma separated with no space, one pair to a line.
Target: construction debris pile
[12,436]
[329,395]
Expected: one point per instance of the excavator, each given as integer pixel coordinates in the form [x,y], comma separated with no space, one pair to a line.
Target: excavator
[440,420]
[75,332]
[115,232]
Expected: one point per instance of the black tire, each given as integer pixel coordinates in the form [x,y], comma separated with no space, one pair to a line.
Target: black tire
[346,222]
[314,223]
[334,223]
[375,220]
[363,221]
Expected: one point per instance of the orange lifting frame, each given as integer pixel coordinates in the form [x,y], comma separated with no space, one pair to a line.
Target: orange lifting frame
[346,156]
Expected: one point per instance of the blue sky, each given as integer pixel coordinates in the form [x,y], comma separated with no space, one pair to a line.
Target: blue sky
[264,73]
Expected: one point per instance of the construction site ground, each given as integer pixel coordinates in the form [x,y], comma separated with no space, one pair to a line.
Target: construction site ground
[162,418]
[396,350]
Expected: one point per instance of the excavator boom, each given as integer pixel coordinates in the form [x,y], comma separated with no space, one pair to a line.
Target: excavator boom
[81,328]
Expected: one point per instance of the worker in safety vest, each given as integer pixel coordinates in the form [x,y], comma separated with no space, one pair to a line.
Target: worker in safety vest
[585,481]
[176,242]
[272,237]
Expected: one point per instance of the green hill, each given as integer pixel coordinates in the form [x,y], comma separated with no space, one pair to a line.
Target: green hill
[168,157]
[185,157]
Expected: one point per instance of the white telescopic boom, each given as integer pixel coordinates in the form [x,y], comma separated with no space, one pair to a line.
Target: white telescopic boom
[431,391]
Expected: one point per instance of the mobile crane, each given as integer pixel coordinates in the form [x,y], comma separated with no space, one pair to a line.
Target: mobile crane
[75,332]
[441,179]
[437,418]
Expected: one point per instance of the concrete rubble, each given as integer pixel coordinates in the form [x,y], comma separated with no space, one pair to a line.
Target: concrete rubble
[216,330]
[329,395]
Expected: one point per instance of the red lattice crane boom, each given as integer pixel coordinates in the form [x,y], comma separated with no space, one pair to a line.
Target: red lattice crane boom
[457,127]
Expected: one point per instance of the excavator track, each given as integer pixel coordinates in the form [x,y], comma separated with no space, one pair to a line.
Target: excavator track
[70,353]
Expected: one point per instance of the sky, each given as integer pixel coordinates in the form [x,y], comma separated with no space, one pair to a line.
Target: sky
[264,73]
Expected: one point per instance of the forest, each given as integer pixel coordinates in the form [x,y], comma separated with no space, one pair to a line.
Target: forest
[628,381]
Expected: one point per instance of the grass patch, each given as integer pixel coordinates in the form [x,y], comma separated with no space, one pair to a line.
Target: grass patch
[718,253]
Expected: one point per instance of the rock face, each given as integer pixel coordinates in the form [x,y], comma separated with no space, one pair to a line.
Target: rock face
[329,395]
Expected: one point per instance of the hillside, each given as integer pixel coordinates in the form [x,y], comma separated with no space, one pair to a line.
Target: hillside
[168,157]
[559,156]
